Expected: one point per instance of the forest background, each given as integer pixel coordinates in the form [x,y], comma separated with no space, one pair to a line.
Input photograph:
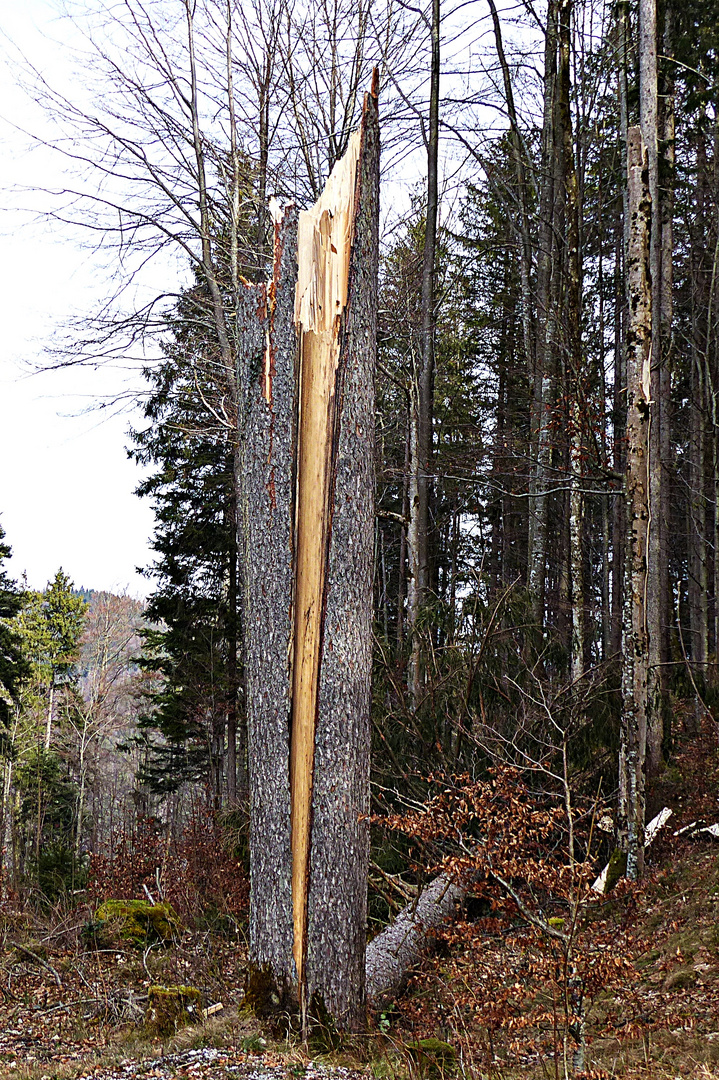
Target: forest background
[502,583]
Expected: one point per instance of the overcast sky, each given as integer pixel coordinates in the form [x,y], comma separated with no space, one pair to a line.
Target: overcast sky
[66,485]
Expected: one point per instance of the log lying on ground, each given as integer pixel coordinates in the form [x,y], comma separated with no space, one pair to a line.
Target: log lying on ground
[399,946]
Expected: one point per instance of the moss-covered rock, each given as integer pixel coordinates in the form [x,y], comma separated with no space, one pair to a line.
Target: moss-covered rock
[172,1007]
[432,1058]
[136,921]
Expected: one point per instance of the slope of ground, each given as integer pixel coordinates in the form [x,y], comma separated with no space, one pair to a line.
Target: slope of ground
[487,995]
[503,995]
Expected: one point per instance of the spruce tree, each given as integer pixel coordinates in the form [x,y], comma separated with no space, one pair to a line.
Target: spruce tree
[13,664]
[191,644]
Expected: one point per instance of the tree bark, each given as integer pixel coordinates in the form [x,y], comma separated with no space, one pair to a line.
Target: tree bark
[518,158]
[657,562]
[49,716]
[635,681]
[619,529]
[543,389]
[393,951]
[422,393]
[574,345]
[267,381]
[307,398]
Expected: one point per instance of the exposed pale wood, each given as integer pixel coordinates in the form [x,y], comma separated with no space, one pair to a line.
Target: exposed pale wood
[323,252]
[307,444]
[339,858]
[324,244]
[650,833]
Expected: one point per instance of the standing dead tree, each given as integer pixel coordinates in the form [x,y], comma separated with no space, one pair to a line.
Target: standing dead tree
[635,650]
[306,379]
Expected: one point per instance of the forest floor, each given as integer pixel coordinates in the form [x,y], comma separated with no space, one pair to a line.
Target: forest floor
[69,1011]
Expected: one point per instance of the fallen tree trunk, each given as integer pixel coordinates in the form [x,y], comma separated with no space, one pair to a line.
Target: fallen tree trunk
[399,946]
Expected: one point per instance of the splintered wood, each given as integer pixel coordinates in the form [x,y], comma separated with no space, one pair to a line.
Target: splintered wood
[324,246]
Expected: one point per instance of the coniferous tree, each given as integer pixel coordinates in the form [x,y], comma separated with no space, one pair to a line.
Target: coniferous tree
[13,664]
[192,642]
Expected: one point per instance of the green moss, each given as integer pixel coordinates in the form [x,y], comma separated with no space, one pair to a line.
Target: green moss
[171,1007]
[557,923]
[432,1058]
[263,996]
[323,1034]
[617,869]
[136,921]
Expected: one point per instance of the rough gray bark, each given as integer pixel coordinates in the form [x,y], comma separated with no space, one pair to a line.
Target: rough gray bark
[520,171]
[619,531]
[339,855]
[573,291]
[635,680]
[543,382]
[657,577]
[308,949]
[399,946]
[267,379]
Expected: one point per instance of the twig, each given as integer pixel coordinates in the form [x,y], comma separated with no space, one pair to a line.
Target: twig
[536,920]
[39,960]
[147,952]
[68,1005]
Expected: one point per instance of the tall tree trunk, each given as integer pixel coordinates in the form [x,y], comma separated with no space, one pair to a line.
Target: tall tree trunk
[712,324]
[697,582]
[666,183]
[80,796]
[236,732]
[402,573]
[572,294]
[422,395]
[657,576]
[635,681]
[49,716]
[542,390]
[699,418]
[619,529]
[307,439]
[520,172]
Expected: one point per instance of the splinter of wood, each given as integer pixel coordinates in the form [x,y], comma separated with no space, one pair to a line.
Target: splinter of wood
[324,246]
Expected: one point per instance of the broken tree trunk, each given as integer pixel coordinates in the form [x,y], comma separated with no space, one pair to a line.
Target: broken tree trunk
[307,437]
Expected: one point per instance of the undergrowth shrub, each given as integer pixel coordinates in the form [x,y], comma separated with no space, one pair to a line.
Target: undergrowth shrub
[546,963]
[198,872]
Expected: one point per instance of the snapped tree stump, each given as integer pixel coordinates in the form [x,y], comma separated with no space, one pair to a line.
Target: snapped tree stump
[306,343]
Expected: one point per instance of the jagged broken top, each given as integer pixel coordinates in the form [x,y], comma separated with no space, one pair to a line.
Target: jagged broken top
[324,242]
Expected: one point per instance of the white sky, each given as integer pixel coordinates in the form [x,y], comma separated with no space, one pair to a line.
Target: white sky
[66,485]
